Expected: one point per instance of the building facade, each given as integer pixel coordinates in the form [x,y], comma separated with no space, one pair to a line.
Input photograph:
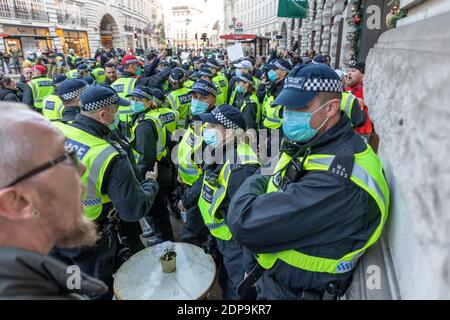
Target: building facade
[326,29]
[187,21]
[83,25]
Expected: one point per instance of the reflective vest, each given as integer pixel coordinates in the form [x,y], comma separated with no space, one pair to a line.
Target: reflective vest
[256,82]
[72,74]
[367,174]
[41,88]
[253,99]
[169,119]
[72,58]
[189,171]
[347,103]
[188,84]
[99,75]
[272,112]
[180,101]
[214,191]
[153,116]
[166,86]
[96,154]
[222,89]
[124,87]
[233,97]
[52,107]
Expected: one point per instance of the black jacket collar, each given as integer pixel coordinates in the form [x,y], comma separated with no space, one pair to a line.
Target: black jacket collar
[91,126]
[29,275]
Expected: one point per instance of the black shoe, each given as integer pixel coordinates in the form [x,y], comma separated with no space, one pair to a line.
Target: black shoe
[148,233]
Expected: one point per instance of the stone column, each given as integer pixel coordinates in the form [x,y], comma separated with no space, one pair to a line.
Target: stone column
[337,10]
[318,25]
[326,22]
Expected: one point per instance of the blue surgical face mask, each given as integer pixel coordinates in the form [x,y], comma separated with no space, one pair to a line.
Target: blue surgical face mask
[238,73]
[137,106]
[272,75]
[297,125]
[198,107]
[240,89]
[210,137]
[113,126]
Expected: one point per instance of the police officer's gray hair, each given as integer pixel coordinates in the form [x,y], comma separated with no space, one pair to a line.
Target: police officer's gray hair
[17,145]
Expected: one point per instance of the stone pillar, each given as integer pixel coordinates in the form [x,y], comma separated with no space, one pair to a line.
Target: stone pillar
[406,89]
[326,22]
[312,15]
[318,25]
[336,12]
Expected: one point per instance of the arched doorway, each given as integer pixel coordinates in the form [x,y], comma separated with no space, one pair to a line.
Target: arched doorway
[108,32]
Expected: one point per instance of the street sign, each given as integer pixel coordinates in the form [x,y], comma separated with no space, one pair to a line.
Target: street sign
[239,25]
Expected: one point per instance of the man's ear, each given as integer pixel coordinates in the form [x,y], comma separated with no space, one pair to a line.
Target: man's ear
[335,107]
[14,206]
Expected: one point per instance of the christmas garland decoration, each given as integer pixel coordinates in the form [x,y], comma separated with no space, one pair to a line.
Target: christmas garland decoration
[395,14]
[355,25]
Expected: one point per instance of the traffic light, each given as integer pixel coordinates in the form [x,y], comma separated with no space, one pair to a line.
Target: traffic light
[196,36]
[204,36]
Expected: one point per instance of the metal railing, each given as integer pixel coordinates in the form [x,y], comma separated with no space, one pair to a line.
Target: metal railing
[14,12]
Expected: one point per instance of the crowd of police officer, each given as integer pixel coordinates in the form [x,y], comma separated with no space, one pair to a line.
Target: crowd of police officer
[139,127]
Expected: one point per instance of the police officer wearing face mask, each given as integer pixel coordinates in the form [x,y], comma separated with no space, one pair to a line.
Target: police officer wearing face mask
[232,162]
[149,142]
[180,97]
[128,80]
[113,191]
[273,113]
[324,205]
[247,101]
[189,162]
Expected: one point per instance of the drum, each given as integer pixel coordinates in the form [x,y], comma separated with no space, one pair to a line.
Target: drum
[141,277]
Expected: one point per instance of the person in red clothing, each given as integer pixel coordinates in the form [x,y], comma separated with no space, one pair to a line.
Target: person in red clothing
[355,78]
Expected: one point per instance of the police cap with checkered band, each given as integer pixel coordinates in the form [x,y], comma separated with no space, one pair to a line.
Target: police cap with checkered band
[71,89]
[98,97]
[226,115]
[305,82]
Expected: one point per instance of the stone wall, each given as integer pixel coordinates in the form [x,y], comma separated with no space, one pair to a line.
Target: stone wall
[407,88]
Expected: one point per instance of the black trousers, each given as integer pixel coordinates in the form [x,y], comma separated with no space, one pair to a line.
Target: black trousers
[159,217]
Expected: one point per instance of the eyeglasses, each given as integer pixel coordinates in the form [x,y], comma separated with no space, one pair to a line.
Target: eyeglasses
[69,154]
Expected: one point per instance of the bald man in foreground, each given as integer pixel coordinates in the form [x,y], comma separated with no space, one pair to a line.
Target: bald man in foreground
[40,207]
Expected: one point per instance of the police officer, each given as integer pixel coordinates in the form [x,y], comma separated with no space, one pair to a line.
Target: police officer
[189,163]
[69,92]
[219,80]
[113,191]
[180,98]
[205,74]
[244,66]
[273,113]
[52,105]
[73,72]
[131,77]
[38,88]
[83,70]
[247,101]
[325,203]
[149,141]
[234,161]
[97,72]
[71,57]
